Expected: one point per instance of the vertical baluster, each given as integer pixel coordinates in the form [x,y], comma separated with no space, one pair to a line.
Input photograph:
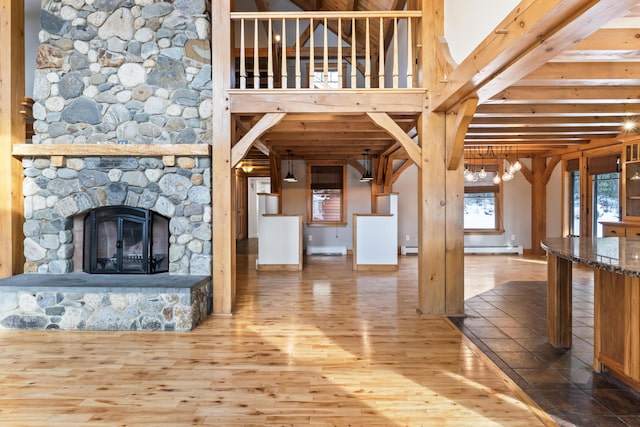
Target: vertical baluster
[395,53]
[270,56]
[256,57]
[367,56]
[325,57]
[298,74]
[381,54]
[312,55]
[409,55]
[243,70]
[340,53]
[283,40]
[354,58]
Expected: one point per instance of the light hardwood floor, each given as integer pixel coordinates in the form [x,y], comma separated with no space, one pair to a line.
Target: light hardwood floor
[322,347]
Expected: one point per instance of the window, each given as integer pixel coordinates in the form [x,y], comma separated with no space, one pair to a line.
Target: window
[574,203]
[572,167]
[606,200]
[605,178]
[332,80]
[326,193]
[483,203]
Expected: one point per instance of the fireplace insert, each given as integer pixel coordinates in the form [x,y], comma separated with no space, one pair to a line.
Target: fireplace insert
[122,239]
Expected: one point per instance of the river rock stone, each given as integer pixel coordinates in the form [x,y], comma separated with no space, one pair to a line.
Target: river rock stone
[82,110]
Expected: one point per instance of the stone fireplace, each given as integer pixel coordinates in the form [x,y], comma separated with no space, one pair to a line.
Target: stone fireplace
[118,74]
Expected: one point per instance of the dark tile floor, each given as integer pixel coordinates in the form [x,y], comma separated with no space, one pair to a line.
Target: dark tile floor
[508,323]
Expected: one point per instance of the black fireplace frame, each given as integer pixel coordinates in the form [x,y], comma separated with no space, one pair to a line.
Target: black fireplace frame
[146,262]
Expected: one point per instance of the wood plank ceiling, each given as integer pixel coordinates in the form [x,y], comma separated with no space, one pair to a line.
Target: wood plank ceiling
[585,93]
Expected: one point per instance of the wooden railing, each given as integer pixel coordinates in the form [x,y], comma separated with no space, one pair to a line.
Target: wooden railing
[325,50]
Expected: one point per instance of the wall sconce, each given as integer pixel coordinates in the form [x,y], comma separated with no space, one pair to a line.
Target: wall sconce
[290,177]
[366,175]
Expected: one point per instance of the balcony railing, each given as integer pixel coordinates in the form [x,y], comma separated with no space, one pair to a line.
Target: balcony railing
[325,50]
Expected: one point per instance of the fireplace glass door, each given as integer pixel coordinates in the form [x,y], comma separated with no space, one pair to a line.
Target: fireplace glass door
[121,239]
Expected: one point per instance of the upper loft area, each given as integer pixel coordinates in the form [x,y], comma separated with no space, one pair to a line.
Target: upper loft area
[328,45]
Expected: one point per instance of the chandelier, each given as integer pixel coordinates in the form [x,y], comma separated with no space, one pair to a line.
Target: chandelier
[486,155]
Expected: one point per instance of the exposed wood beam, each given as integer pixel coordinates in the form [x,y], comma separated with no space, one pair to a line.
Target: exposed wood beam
[530,36]
[336,135]
[258,144]
[604,39]
[385,122]
[557,110]
[12,132]
[551,165]
[222,217]
[455,144]
[581,74]
[319,101]
[568,95]
[398,171]
[533,122]
[244,145]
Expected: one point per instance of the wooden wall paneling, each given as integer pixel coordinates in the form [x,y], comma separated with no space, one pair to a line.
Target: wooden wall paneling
[223,214]
[559,309]
[12,132]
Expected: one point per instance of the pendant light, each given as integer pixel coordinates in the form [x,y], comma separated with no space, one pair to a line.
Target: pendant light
[290,177]
[366,175]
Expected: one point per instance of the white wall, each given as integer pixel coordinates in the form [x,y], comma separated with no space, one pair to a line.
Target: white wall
[516,212]
[294,201]
[468,22]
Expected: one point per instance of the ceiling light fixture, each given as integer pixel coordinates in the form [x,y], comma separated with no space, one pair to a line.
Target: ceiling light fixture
[629,125]
[366,175]
[290,177]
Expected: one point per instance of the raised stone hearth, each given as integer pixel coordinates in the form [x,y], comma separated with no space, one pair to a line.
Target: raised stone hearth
[102,302]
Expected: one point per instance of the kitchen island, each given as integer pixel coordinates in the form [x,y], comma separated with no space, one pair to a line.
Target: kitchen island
[616,327]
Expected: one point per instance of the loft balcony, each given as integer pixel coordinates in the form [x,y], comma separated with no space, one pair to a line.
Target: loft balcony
[297,51]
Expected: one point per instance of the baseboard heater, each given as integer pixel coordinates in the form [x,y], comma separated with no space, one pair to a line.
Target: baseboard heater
[493,250]
[326,250]
[408,250]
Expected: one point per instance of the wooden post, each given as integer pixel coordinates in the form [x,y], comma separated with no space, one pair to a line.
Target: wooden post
[538,204]
[12,131]
[223,212]
[441,260]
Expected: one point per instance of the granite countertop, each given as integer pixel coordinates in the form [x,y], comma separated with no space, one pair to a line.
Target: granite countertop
[616,254]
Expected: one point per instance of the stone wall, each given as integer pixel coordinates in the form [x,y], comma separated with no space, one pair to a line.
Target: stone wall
[53,196]
[136,71]
[105,309]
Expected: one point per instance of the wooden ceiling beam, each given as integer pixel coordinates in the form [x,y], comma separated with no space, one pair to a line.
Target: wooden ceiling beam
[248,140]
[605,38]
[559,122]
[556,130]
[385,122]
[568,95]
[335,135]
[529,37]
[562,73]
[557,110]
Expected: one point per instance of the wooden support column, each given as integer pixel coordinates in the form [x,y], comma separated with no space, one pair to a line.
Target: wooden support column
[223,209]
[441,261]
[12,132]
[538,205]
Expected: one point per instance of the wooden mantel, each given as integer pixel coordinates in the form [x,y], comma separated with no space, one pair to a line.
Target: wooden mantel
[58,152]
